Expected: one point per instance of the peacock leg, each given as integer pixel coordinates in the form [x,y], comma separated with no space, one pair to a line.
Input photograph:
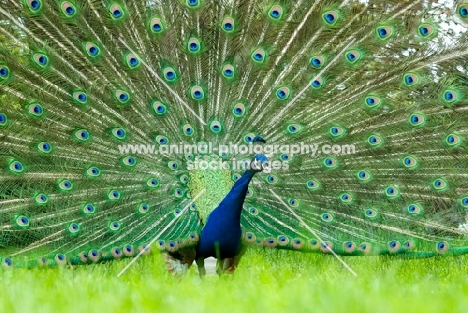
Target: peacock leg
[230,264]
[201,267]
[179,263]
[220,266]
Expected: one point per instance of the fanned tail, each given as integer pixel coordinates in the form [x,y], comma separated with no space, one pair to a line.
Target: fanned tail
[101,98]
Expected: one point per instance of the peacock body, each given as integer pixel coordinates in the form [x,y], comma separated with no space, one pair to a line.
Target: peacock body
[87,87]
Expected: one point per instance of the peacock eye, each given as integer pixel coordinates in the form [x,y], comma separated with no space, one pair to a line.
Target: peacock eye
[259,56]
[34,5]
[410,162]
[16,167]
[188,130]
[313,185]
[80,97]
[41,199]
[132,61]
[68,9]
[228,24]
[317,61]
[194,46]
[346,198]
[192,3]
[276,12]
[3,120]
[117,12]
[253,211]
[317,83]
[156,25]
[197,93]
[178,193]
[65,185]
[4,72]
[239,110]
[35,110]
[41,60]
[353,56]
[248,138]
[373,102]
[88,209]
[440,184]
[427,30]
[330,163]
[283,93]
[60,259]
[228,71]
[294,129]
[92,50]
[122,96]
[113,195]
[330,18]
[337,132]
[22,221]
[392,192]
[142,208]
[115,226]
[152,183]
[442,247]
[327,217]
[417,120]
[44,147]
[159,108]
[129,161]
[463,11]
[326,247]
[384,32]
[411,80]
[365,247]
[173,165]
[216,127]
[364,176]
[349,246]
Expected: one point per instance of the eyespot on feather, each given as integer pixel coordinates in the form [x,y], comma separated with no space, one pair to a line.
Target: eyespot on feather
[442,247]
[349,246]
[331,17]
[68,9]
[156,25]
[394,246]
[326,247]
[92,50]
[194,46]
[132,61]
[259,56]
[228,24]
[275,13]
[197,93]
[117,12]
[34,6]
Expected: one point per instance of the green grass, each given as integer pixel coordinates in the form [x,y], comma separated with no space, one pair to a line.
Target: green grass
[266,281]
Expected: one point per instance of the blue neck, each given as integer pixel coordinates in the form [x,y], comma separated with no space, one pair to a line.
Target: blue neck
[231,206]
[221,236]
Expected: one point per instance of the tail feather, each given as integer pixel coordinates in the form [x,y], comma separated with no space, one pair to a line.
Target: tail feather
[373,93]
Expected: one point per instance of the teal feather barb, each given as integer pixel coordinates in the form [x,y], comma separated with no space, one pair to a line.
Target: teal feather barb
[80,81]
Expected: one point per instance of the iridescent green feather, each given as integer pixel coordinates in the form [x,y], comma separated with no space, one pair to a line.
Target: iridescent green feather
[372,94]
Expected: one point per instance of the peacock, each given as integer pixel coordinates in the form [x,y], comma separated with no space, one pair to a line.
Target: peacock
[198,128]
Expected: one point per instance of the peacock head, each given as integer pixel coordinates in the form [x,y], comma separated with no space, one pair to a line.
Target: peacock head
[259,163]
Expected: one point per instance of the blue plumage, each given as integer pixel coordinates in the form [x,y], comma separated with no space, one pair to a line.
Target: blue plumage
[221,236]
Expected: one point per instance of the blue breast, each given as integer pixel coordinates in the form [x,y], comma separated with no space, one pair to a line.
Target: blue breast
[221,236]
